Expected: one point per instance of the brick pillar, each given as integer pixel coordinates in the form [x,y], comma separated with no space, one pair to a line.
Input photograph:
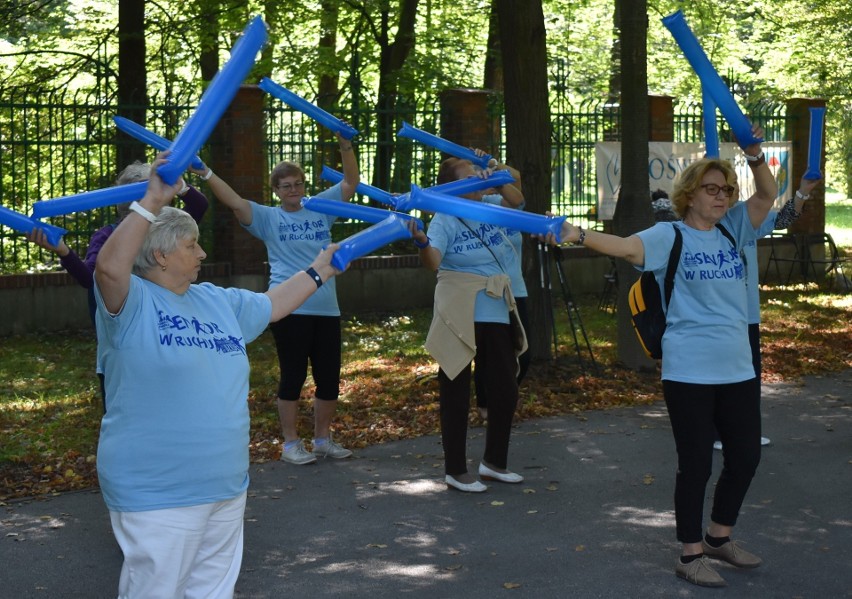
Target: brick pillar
[238,157]
[660,118]
[467,120]
[799,127]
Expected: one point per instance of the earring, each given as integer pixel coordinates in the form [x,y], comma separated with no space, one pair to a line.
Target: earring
[163,267]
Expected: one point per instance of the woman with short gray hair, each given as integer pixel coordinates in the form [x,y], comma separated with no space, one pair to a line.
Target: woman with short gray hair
[173,451]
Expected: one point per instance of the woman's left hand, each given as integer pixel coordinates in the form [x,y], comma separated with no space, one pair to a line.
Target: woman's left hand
[754,149]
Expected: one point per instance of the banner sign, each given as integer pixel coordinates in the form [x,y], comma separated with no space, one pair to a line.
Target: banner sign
[667,159]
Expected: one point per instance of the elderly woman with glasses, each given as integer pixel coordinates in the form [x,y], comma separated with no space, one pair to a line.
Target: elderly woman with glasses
[709,381]
[293,235]
[173,452]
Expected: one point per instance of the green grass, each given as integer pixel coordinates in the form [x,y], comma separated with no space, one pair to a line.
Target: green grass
[838,222]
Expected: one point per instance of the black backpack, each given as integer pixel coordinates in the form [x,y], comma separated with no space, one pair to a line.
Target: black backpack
[646,305]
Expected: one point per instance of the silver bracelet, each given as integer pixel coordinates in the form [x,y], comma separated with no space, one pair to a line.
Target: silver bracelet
[206,176]
[143,212]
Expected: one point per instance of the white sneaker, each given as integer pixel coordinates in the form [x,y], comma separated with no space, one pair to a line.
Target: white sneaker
[297,455]
[331,450]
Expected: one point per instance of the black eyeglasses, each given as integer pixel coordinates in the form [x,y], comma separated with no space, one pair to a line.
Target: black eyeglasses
[288,187]
[714,189]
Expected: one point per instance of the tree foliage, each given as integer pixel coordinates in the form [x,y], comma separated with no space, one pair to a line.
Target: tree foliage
[764,49]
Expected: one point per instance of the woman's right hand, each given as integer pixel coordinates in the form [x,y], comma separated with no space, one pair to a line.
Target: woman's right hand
[39,237]
[322,263]
[159,193]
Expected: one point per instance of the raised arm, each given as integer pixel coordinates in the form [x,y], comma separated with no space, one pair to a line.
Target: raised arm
[351,173]
[225,194]
[794,206]
[195,203]
[292,293]
[766,190]
[115,260]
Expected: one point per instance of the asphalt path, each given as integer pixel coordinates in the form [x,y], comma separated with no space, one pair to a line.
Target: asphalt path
[593,518]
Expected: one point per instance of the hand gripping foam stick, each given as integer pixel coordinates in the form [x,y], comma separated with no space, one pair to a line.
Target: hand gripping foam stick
[315,112]
[346,210]
[142,134]
[711,131]
[380,195]
[362,243]
[24,224]
[439,143]
[460,187]
[90,200]
[710,79]
[815,143]
[216,98]
[525,222]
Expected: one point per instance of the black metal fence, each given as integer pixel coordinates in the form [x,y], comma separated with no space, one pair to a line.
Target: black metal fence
[61,144]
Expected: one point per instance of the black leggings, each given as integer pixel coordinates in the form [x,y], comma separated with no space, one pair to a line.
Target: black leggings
[696,412]
[303,337]
[495,355]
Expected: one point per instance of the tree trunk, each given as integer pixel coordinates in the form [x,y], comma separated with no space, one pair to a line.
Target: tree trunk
[208,39]
[524,57]
[132,79]
[633,210]
[328,85]
[392,57]
[493,59]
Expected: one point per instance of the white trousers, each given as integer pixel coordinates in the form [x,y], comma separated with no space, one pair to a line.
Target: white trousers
[181,553]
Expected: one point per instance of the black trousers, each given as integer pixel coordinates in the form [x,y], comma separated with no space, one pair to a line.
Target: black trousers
[696,412]
[523,360]
[495,355]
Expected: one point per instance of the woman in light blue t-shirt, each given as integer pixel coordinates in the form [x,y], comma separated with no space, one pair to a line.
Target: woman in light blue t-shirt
[709,381]
[173,451]
[473,302]
[293,235]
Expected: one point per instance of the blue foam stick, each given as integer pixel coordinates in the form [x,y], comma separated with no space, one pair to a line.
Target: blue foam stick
[216,98]
[815,143]
[24,224]
[469,184]
[459,187]
[137,131]
[710,79]
[380,195]
[711,131]
[370,239]
[348,210]
[439,143]
[537,224]
[312,110]
[90,200]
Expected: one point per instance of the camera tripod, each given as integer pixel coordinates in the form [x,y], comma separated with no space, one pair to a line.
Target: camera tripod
[574,320]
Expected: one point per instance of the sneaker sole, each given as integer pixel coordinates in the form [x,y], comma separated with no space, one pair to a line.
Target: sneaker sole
[712,585]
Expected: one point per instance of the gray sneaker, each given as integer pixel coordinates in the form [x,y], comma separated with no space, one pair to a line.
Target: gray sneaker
[297,455]
[699,572]
[331,450]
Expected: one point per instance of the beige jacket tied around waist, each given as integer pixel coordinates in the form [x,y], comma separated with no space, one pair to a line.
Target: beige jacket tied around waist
[451,339]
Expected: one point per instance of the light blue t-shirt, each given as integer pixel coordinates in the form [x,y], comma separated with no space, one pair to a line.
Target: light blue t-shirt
[293,240]
[514,262]
[461,250]
[706,339]
[176,428]
[752,269]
